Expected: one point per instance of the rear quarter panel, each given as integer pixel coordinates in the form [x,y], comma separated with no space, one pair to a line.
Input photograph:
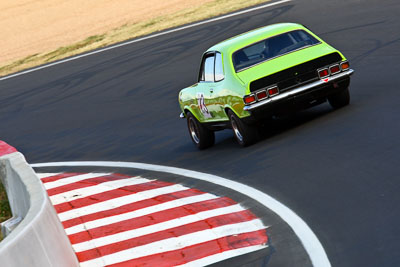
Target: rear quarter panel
[188,102]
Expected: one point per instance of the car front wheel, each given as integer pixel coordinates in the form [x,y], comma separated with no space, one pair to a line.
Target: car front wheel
[245,134]
[200,135]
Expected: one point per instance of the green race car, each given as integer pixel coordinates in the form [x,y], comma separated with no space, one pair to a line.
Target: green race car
[259,74]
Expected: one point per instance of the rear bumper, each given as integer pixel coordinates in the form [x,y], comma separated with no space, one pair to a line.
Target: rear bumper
[307,92]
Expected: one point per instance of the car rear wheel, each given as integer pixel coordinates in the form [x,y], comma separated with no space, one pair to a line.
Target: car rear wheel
[200,135]
[245,134]
[340,99]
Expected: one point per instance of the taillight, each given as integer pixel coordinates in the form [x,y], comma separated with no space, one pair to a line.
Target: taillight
[273,91]
[345,65]
[248,99]
[323,73]
[334,69]
[261,95]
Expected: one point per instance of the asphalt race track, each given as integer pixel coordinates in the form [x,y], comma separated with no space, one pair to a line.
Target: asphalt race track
[338,170]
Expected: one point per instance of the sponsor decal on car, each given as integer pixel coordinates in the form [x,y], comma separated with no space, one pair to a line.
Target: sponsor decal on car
[202,106]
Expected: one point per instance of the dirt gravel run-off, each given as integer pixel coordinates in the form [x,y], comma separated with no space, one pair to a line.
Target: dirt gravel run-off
[31,27]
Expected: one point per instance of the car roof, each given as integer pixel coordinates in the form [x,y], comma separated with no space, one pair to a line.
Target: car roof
[232,44]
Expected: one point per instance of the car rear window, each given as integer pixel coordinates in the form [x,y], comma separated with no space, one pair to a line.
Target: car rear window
[270,48]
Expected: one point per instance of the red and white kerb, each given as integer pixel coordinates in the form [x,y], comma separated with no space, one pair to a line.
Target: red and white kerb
[118,220]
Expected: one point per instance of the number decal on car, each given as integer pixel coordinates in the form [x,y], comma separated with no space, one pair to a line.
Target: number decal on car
[202,106]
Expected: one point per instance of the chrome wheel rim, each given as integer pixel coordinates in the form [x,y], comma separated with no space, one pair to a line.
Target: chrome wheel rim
[236,131]
[193,131]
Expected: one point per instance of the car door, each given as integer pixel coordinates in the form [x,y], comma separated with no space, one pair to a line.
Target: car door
[209,87]
[204,87]
[217,98]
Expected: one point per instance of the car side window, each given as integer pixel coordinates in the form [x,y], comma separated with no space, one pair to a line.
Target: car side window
[219,70]
[209,69]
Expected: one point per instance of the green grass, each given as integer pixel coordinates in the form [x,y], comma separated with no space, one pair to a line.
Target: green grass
[5,211]
[67,49]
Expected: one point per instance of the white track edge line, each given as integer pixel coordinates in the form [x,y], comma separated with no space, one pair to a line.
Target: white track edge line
[307,237]
[142,39]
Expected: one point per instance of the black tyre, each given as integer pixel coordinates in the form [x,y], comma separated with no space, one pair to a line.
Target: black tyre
[245,134]
[340,99]
[201,136]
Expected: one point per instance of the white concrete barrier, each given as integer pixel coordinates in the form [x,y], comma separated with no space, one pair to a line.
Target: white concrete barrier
[35,236]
